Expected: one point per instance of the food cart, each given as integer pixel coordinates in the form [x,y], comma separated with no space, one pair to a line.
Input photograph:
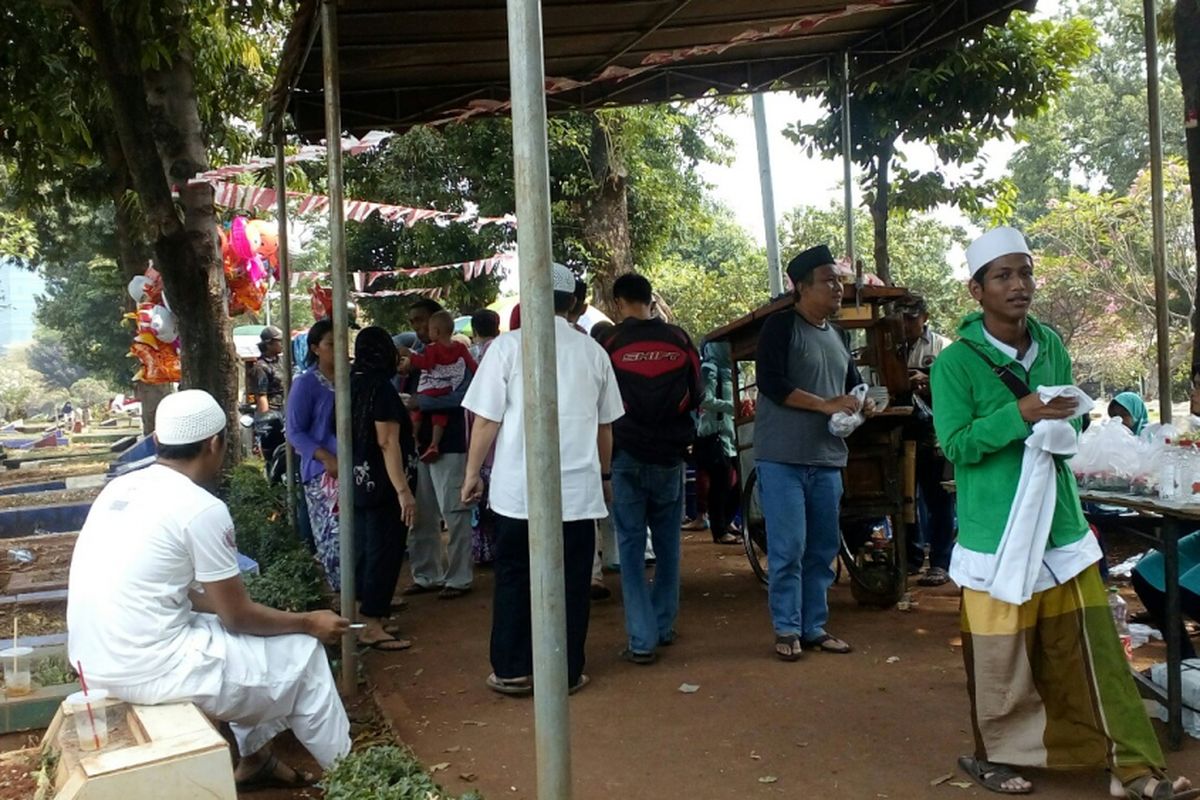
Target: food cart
[878,504]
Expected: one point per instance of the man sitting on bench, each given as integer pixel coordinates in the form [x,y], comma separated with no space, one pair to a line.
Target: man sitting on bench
[157,611]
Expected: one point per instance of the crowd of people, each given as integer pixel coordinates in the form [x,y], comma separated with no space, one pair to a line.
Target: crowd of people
[439,476]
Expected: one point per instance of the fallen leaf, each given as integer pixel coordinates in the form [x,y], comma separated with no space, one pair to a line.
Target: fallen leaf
[755,756]
[417,674]
[768,779]
[440,767]
[476,723]
[801,744]
[453,748]
[893,659]
[939,780]
[962,784]
[468,776]
[726,574]
[689,688]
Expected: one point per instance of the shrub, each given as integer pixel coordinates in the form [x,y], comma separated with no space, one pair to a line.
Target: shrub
[384,773]
[290,583]
[259,514]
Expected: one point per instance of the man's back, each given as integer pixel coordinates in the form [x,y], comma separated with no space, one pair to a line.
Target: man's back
[658,371]
[149,536]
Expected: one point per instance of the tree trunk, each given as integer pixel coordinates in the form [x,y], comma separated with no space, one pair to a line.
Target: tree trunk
[879,211]
[1187,61]
[157,122]
[606,218]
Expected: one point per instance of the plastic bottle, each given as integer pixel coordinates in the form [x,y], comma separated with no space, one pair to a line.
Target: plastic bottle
[1168,467]
[1120,612]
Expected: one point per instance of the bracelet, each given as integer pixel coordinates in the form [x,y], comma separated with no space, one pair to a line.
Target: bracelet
[605,476]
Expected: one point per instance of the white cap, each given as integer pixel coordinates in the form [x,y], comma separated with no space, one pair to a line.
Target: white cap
[188,416]
[562,278]
[997,242]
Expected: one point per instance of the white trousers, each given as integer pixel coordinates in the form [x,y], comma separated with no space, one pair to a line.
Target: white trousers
[260,685]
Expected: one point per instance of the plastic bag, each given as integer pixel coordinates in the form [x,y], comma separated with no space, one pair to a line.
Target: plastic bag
[842,424]
[1110,458]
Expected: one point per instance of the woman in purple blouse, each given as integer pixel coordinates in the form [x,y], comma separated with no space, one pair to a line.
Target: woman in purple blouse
[310,429]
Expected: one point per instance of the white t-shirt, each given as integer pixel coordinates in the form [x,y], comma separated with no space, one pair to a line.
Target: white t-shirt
[150,537]
[588,397]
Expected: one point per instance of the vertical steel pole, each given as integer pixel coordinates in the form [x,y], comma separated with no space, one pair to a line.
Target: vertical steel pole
[341,332]
[774,273]
[285,307]
[1156,211]
[847,171]
[532,174]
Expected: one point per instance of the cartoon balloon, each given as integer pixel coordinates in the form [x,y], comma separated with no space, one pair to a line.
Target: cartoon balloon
[137,288]
[162,323]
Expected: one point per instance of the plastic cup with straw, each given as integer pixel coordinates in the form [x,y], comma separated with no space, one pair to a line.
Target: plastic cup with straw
[16,672]
[88,703]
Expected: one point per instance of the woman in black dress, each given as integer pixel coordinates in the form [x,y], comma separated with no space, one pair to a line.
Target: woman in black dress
[384,474]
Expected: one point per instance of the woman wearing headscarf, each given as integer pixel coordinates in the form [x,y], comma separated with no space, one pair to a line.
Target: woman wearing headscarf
[715,449]
[1131,410]
[384,472]
[311,430]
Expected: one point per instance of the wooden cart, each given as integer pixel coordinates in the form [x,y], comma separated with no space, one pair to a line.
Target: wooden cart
[878,504]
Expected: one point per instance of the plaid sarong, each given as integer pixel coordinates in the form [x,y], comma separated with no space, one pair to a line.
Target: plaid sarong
[1049,683]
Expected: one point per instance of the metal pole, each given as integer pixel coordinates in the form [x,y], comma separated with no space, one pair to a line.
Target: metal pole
[285,308]
[532,173]
[774,273]
[1157,213]
[847,172]
[341,332]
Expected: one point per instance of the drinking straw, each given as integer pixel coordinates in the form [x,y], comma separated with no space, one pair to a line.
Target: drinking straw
[88,703]
[14,644]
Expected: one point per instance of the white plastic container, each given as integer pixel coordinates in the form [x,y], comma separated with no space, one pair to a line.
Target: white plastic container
[92,728]
[17,681]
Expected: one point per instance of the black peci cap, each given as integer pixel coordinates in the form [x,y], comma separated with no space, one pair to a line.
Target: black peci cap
[806,262]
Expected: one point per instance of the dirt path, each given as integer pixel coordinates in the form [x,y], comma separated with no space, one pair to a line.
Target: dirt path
[851,726]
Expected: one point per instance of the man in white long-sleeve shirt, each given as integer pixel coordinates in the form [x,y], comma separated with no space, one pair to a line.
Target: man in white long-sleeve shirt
[157,611]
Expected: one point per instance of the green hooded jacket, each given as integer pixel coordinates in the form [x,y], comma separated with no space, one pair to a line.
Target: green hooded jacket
[982,433]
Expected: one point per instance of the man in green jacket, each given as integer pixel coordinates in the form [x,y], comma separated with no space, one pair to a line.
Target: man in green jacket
[1048,680]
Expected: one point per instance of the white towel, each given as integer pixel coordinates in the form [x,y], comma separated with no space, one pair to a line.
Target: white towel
[1019,556]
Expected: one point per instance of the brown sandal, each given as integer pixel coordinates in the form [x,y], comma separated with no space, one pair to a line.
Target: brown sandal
[787,648]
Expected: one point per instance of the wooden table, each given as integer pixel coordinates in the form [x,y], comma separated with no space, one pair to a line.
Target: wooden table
[1162,523]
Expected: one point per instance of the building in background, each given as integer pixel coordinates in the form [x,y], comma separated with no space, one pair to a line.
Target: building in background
[19,288]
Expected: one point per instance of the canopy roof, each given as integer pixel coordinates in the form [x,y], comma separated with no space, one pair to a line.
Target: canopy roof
[408,62]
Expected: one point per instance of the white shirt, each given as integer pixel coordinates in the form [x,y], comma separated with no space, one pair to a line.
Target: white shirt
[588,397]
[1011,352]
[150,536]
[925,350]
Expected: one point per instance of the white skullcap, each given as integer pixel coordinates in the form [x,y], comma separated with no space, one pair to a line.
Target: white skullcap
[562,278]
[997,242]
[188,416]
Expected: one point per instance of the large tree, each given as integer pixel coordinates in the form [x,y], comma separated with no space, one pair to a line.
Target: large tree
[955,101]
[132,95]
[1187,60]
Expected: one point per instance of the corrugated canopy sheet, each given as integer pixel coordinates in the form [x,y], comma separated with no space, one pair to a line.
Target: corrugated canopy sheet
[408,62]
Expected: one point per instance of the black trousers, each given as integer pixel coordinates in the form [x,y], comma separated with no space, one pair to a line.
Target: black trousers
[380,539]
[937,524]
[722,496]
[512,627]
[1156,604]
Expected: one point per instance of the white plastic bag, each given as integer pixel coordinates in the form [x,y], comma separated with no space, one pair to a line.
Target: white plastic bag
[843,424]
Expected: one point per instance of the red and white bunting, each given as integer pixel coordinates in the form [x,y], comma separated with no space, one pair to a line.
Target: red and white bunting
[308,152]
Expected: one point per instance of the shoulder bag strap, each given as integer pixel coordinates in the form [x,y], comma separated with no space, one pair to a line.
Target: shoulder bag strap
[1010,379]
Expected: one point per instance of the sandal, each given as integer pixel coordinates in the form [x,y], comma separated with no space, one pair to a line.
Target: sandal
[583,681]
[392,644]
[787,647]
[1155,786]
[991,776]
[727,538]
[936,576]
[514,687]
[268,777]
[827,644]
[635,657]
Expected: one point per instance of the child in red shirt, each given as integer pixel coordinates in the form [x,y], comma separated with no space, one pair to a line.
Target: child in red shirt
[444,365]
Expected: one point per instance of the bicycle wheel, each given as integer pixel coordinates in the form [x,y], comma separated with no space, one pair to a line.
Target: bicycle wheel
[754,536]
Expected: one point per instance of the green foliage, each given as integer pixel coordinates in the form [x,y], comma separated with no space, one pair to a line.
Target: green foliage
[91,393]
[258,512]
[920,248]
[1097,282]
[53,671]
[291,582]
[48,356]
[384,773]
[21,389]
[955,101]
[1094,133]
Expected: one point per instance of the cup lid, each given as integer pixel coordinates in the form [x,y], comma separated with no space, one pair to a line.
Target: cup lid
[93,697]
[16,652]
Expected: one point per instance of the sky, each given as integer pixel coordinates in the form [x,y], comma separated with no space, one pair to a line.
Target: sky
[801,181]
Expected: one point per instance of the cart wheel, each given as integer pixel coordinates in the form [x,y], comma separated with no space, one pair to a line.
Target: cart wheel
[872,584]
[754,537]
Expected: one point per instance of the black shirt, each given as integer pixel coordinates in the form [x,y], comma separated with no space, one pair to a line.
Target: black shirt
[266,378]
[372,485]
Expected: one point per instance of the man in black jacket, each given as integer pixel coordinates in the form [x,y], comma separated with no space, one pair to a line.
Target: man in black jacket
[658,370]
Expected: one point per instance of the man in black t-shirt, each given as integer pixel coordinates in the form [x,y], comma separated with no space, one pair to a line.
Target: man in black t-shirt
[658,370]
[447,568]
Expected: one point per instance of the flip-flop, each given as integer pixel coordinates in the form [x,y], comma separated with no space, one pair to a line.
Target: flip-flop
[991,776]
[827,644]
[1155,787]
[418,588]
[635,657]
[392,644]
[583,681]
[728,538]
[787,647]
[514,687]
[266,778]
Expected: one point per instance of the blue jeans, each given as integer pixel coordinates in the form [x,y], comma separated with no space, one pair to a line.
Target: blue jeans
[801,506]
[648,495]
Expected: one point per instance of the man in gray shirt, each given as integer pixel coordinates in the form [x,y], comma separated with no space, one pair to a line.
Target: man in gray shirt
[804,370]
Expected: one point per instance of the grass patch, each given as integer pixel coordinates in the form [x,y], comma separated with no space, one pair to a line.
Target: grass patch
[384,772]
